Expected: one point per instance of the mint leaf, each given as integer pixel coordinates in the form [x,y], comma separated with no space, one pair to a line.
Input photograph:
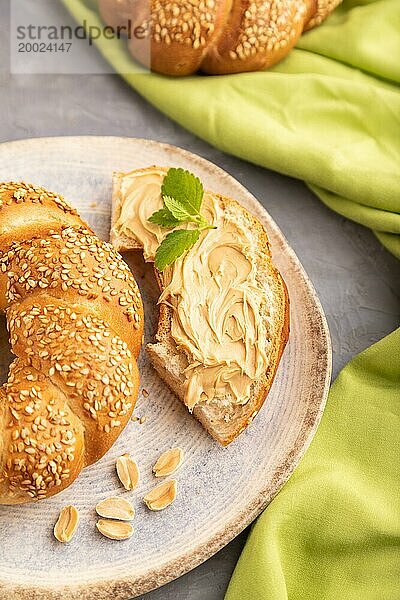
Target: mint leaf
[185,188]
[182,194]
[174,245]
[164,218]
[178,210]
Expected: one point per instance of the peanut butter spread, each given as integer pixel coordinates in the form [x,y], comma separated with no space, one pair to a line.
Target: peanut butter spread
[219,315]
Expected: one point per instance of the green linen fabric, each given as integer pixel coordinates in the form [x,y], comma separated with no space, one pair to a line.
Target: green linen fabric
[333,531]
[328,114]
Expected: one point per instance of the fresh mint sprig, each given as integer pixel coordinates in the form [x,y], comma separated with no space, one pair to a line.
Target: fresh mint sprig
[182,194]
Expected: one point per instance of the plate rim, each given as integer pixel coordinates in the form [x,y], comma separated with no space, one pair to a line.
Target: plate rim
[121,588]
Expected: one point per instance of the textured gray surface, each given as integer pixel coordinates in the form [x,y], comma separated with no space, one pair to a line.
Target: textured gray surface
[358,282]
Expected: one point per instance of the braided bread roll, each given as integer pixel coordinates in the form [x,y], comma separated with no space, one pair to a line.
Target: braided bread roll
[216,36]
[75,320]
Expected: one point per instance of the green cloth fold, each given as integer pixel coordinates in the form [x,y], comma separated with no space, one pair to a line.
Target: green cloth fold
[333,531]
[328,114]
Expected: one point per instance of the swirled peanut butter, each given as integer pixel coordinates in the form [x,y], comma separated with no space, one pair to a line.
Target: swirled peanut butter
[216,302]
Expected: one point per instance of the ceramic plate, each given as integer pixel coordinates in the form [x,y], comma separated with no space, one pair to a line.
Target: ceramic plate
[220,491]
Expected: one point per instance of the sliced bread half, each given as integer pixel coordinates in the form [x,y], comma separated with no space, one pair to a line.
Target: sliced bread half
[249,319]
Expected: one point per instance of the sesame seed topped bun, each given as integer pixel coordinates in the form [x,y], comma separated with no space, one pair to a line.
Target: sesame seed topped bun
[215,36]
[75,318]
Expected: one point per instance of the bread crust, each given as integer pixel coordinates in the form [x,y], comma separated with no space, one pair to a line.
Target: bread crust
[211,415]
[215,36]
[170,56]
[75,319]
[233,53]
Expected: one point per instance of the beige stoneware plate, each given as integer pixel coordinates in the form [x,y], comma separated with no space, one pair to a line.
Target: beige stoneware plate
[220,491]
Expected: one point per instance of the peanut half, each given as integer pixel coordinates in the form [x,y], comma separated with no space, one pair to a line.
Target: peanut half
[67,524]
[116,508]
[115,530]
[128,472]
[161,496]
[168,462]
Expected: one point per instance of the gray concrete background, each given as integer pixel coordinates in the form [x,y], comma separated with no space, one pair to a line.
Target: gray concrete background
[358,282]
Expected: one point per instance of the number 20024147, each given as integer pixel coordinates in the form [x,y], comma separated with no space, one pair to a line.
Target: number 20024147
[44,47]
